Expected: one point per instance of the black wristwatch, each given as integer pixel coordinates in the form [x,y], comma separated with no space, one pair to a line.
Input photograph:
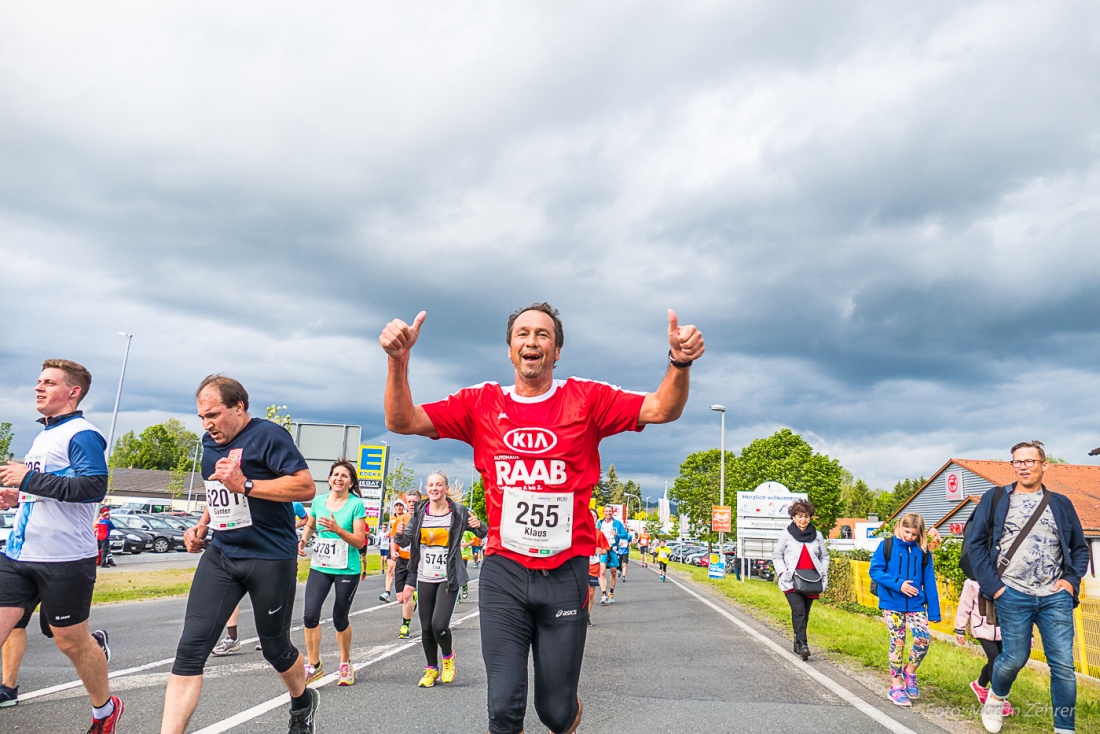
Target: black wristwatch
[247,487]
[678,365]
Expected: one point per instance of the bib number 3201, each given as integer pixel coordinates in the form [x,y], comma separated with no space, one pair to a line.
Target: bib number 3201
[228,510]
[536,523]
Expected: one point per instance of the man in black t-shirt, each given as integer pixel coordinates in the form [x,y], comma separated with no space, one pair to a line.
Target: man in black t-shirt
[253,474]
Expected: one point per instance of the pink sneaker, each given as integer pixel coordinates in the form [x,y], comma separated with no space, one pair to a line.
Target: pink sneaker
[979,691]
[898,696]
[1008,710]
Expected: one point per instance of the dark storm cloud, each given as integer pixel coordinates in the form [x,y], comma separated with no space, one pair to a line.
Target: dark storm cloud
[881,216]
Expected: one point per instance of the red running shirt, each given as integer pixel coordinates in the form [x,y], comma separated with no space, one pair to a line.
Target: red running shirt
[539,458]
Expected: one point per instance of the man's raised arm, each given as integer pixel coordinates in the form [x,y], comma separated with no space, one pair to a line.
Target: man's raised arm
[402,414]
[667,403]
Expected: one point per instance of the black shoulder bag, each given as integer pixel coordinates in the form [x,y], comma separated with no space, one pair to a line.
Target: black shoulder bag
[986,607]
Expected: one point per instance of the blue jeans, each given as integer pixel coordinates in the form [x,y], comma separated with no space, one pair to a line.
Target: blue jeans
[1053,615]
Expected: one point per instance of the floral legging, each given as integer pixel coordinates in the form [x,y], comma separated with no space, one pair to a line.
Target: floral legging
[897,623]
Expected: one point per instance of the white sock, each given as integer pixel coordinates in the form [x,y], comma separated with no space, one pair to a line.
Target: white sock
[102,712]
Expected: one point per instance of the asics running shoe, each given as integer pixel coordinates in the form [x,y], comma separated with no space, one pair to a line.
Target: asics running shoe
[448,673]
[430,674]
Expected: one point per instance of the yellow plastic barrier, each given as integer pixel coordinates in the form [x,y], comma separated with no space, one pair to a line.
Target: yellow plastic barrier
[1086,618]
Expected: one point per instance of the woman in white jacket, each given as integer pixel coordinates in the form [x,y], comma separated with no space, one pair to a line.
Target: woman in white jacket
[801,550]
[988,636]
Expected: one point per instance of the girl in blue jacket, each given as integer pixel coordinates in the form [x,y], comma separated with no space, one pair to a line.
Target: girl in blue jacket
[908,599]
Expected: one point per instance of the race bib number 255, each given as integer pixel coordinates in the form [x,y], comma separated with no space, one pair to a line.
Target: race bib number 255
[536,523]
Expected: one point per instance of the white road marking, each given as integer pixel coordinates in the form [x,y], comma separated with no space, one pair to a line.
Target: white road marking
[838,690]
[168,661]
[284,699]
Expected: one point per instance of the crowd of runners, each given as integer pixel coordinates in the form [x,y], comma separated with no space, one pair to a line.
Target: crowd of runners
[535,444]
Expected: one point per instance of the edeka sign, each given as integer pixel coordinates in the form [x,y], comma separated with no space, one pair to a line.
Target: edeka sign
[372,477]
[372,466]
[721,519]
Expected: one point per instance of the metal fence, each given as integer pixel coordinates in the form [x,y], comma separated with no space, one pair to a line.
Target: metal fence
[1086,620]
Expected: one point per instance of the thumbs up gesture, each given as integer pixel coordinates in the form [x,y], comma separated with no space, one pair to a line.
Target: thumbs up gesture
[398,337]
[686,342]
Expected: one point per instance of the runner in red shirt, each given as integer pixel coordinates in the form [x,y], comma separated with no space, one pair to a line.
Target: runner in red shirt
[536,446]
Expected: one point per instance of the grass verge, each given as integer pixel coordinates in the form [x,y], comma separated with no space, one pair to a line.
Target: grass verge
[139,585]
[945,675]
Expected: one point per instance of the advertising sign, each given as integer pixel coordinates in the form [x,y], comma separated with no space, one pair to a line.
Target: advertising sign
[373,461]
[721,519]
[954,486]
[716,568]
[761,517]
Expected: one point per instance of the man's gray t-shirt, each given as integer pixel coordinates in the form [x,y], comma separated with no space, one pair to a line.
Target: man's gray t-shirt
[1037,564]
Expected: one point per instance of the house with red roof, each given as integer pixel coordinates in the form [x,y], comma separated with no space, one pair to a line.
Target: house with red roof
[947,500]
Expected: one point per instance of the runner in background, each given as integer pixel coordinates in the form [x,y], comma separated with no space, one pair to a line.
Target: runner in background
[339,520]
[643,547]
[434,533]
[536,446]
[401,569]
[392,551]
[476,549]
[662,557]
[382,540]
[597,566]
[624,553]
[467,553]
[616,533]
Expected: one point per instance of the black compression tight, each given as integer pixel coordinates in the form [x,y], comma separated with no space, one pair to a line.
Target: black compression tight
[318,584]
[436,605]
[219,585]
[539,612]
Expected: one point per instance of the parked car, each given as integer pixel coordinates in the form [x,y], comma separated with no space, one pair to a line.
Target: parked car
[128,540]
[180,522]
[143,505]
[165,537]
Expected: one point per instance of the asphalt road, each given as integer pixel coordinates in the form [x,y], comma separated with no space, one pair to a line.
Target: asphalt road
[665,658]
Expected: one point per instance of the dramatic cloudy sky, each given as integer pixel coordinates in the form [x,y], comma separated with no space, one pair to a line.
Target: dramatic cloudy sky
[882,215]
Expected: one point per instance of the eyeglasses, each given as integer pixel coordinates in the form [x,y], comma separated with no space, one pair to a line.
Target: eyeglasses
[1025,463]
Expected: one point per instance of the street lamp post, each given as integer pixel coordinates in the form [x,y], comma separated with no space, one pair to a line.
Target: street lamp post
[722,477]
[118,395]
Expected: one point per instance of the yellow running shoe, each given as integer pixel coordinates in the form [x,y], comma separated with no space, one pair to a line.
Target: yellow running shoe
[314,672]
[347,675]
[430,674]
[448,674]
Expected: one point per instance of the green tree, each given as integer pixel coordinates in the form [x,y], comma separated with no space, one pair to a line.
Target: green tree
[615,487]
[856,500]
[399,479]
[164,446]
[5,441]
[475,500]
[786,458]
[284,420]
[696,489]
[887,503]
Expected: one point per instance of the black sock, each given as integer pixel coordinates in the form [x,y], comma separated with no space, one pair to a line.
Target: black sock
[405,621]
[232,631]
[304,701]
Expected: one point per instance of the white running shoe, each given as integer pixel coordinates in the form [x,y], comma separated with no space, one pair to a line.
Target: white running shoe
[227,646]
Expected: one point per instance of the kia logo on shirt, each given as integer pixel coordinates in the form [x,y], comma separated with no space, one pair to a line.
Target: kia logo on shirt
[530,440]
